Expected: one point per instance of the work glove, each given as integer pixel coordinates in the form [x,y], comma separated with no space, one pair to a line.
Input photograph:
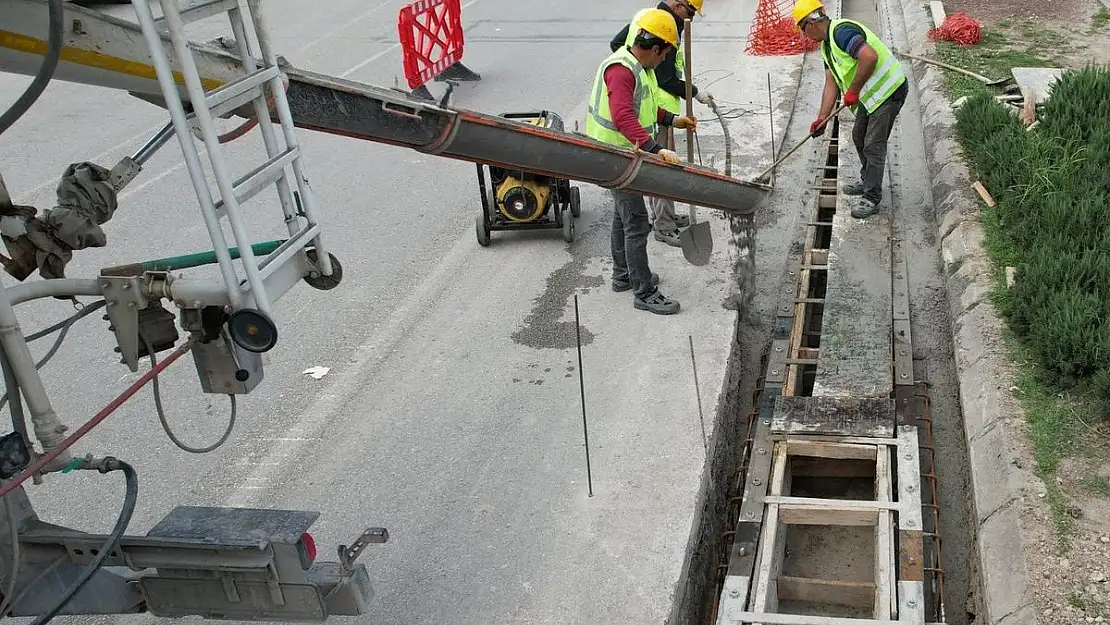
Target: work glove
[704,97]
[851,98]
[685,122]
[817,128]
[670,156]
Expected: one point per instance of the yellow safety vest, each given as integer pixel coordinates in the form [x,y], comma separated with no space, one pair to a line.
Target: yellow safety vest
[883,82]
[665,99]
[599,119]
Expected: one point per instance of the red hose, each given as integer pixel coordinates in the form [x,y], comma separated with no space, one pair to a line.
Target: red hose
[112,406]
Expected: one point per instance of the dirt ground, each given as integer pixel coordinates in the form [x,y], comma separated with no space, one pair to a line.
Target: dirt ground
[1070,576]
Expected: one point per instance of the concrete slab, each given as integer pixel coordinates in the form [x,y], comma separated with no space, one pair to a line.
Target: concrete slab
[1036,81]
[855,356]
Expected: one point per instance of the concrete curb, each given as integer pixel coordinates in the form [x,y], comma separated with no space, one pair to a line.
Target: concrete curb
[1005,597]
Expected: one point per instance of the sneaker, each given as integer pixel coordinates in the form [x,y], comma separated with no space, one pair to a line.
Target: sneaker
[656,303]
[864,208]
[855,188]
[624,285]
[670,238]
[682,221]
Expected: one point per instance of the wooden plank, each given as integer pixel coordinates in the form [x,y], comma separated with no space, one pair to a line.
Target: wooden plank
[856,328]
[772,543]
[936,8]
[823,449]
[836,416]
[831,504]
[819,257]
[826,591]
[805,619]
[884,549]
[791,514]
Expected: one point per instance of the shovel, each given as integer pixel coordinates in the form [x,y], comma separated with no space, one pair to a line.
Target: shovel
[763,176]
[983,79]
[696,240]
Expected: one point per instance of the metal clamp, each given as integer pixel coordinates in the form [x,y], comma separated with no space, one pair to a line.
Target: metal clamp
[348,555]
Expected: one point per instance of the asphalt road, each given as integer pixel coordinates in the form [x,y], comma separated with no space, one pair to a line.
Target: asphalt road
[450,414]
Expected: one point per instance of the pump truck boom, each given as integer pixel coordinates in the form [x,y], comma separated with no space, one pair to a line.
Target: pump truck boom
[219,563]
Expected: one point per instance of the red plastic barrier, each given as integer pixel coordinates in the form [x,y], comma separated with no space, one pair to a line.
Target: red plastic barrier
[431,38]
[773,32]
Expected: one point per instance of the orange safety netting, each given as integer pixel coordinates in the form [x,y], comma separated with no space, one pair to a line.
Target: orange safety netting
[773,32]
[958,28]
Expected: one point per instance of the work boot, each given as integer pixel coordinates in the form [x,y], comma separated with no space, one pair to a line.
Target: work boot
[670,238]
[864,208]
[623,285]
[854,188]
[682,221]
[656,303]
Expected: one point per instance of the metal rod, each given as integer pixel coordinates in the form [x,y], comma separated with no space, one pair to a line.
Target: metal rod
[686,37]
[582,391]
[697,390]
[771,117]
[154,144]
[48,428]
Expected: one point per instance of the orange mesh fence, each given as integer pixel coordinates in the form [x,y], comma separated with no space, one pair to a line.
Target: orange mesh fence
[773,32]
[959,28]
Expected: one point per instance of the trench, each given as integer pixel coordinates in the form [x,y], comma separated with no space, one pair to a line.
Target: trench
[951,580]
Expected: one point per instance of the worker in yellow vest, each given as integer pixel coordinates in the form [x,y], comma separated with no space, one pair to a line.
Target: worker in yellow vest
[859,65]
[672,89]
[623,111]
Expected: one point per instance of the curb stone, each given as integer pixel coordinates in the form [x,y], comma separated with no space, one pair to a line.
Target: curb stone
[997,482]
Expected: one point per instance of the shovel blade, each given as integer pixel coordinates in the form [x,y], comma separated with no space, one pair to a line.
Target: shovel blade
[697,243]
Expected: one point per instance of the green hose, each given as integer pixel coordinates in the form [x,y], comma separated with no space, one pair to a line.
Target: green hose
[186,261]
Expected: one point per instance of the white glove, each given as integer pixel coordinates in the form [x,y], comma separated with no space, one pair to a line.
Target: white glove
[704,97]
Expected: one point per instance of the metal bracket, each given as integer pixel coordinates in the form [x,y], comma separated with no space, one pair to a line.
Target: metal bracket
[124,295]
[348,555]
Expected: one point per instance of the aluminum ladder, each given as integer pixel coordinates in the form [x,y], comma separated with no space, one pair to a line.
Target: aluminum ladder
[261,81]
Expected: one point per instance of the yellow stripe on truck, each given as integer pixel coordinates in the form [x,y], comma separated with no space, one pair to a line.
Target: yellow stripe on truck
[88,58]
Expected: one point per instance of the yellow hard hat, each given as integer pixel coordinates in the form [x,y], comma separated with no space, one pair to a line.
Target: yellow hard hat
[802,9]
[697,4]
[659,23]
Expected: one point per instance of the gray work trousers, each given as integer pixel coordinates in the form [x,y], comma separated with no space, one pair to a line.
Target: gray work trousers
[628,240]
[662,209]
[870,134]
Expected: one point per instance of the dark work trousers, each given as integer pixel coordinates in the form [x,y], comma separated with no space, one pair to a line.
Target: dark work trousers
[870,134]
[628,240]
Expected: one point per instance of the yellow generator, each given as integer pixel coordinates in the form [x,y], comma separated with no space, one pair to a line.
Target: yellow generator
[517,200]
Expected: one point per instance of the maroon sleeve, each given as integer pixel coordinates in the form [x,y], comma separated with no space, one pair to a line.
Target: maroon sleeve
[620,83]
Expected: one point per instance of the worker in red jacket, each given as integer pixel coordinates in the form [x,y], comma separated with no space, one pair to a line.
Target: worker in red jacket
[623,112]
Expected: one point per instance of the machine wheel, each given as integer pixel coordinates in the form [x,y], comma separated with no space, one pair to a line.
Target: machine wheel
[568,229]
[482,230]
[575,203]
[322,282]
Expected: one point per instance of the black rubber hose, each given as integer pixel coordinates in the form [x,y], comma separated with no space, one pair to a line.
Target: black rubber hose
[45,73]
[129,501]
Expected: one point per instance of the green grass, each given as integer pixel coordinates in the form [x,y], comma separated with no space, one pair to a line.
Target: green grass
[1097,485]
[1100,19]
[994,56]
[1056,335]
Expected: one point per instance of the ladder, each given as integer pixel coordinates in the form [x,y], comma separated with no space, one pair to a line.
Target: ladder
[261,81]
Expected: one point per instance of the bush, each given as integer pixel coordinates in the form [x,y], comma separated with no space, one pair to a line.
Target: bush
[1052,187]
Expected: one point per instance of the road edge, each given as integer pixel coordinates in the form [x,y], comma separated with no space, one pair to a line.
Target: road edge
[994,447]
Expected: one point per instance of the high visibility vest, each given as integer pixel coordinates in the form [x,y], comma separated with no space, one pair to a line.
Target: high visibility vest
[599,120]
[883,82]
[665,99]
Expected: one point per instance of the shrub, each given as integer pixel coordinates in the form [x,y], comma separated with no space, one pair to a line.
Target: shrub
[1052,187]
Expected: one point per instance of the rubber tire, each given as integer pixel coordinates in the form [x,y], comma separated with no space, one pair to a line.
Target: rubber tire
[481,231]
[568,229]
[575,202]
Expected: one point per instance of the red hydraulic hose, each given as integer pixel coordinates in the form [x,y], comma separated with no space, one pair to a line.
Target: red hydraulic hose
[47,458]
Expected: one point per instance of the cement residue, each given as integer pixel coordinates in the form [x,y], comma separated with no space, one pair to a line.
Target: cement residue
[541,328]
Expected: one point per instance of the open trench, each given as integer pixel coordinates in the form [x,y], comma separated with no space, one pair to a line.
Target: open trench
[794,230]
